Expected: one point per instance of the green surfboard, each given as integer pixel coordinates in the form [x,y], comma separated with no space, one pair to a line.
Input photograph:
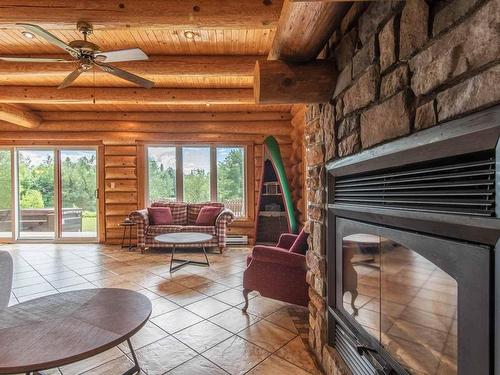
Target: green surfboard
[275,154]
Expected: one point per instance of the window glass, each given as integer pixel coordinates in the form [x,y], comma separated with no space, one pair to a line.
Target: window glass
[196,174]
[161,173]
[231,178]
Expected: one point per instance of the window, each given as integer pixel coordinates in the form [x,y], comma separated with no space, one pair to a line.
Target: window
[231,178]
[198,174]
[161,173]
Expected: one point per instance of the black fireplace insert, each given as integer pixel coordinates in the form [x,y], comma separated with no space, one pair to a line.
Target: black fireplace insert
[411,268]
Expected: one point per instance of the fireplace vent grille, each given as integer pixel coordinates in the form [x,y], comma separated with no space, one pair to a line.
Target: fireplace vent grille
[456,186]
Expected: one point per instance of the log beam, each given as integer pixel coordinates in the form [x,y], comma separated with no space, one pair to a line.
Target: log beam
[151,14]
[165,116]
[90,95]
[199,66]
[278,82]
[304,28]
[281,128]
[18,116]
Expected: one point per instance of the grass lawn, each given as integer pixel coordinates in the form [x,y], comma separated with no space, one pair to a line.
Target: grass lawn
[89,223]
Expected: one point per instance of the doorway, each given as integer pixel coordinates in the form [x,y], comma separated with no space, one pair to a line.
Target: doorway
[50,194]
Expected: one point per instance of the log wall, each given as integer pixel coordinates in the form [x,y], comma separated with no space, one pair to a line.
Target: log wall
[122,181]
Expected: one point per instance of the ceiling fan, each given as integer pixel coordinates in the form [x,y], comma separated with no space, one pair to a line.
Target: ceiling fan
[87,54]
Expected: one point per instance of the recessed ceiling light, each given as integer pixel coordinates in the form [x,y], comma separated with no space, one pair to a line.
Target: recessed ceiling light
[190,34]
[27,34]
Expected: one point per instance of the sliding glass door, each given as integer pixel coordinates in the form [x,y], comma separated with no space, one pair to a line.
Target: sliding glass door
[77,193]
[48,193]
[6,225]
[35,186]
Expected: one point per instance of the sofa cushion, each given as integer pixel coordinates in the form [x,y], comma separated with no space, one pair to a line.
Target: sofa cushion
[209,229]
[160,215]
[208,215]
[178,209]
[155,230]
[300,244]
[193,210]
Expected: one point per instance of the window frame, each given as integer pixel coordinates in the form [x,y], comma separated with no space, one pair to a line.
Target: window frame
[179,172]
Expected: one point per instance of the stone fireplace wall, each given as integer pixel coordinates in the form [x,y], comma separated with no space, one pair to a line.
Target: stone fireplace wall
[403,67]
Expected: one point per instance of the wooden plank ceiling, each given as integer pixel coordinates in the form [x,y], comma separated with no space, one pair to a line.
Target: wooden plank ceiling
[212,72]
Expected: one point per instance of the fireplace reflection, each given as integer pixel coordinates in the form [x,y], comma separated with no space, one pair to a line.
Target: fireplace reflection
[403,300]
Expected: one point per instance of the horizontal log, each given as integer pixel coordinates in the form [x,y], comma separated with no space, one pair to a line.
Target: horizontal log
[249,127]
[19,116]
[277,82]
[121,173]
[116,96]
[121,186]
[198,66]
[151,14]
[164,116]
[120,161]
[304,28]
[120,209]
[120,150]
[130,138]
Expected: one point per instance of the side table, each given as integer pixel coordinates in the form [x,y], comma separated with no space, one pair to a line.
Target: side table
[127,224]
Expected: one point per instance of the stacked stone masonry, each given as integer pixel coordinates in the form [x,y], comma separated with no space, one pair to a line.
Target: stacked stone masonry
[404,67]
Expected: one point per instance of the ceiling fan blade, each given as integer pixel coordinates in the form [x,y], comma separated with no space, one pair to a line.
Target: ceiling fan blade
[71,77]
[33,59]
[125,75]
[131,54]
[52,39]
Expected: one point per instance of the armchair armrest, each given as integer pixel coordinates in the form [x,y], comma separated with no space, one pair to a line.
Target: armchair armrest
[286,240]
[275,255]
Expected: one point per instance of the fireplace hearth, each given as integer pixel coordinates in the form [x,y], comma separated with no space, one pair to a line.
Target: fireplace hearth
[412,233]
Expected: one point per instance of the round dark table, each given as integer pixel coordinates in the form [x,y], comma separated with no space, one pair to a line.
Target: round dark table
[63,328]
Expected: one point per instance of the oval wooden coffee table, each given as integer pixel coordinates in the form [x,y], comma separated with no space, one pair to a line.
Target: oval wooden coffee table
[179,238]
[63,328]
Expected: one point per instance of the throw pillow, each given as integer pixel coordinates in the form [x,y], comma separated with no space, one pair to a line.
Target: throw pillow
[208,215]
[160,215]
[300,244]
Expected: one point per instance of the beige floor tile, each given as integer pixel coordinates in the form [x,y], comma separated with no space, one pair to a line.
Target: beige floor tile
[288,318]
[147,335]
[232,297]
[186,297]
[167,288]
[274,366]
[208,307]
[297,353]
[263,307]
[115,367]
[234,320]
[177,320]
[161,306]
[92,362]
[197,366]
[202,336]
[211,288]
[163,355]
[266,335]
[236,355]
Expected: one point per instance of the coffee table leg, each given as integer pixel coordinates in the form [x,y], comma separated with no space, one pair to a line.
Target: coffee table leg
[136,369]
[206,258]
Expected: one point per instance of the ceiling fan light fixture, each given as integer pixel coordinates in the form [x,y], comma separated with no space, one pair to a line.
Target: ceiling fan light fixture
[28,35]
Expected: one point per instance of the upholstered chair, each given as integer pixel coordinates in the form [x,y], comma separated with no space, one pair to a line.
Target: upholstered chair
[6,273]
[279,272]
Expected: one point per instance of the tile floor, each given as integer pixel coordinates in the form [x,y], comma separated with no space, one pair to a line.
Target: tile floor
[197,326]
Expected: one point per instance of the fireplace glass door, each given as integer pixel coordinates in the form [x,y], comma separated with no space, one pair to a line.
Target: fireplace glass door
[404,301]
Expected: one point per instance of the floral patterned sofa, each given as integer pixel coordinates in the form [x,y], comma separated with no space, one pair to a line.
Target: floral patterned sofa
[184,217]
